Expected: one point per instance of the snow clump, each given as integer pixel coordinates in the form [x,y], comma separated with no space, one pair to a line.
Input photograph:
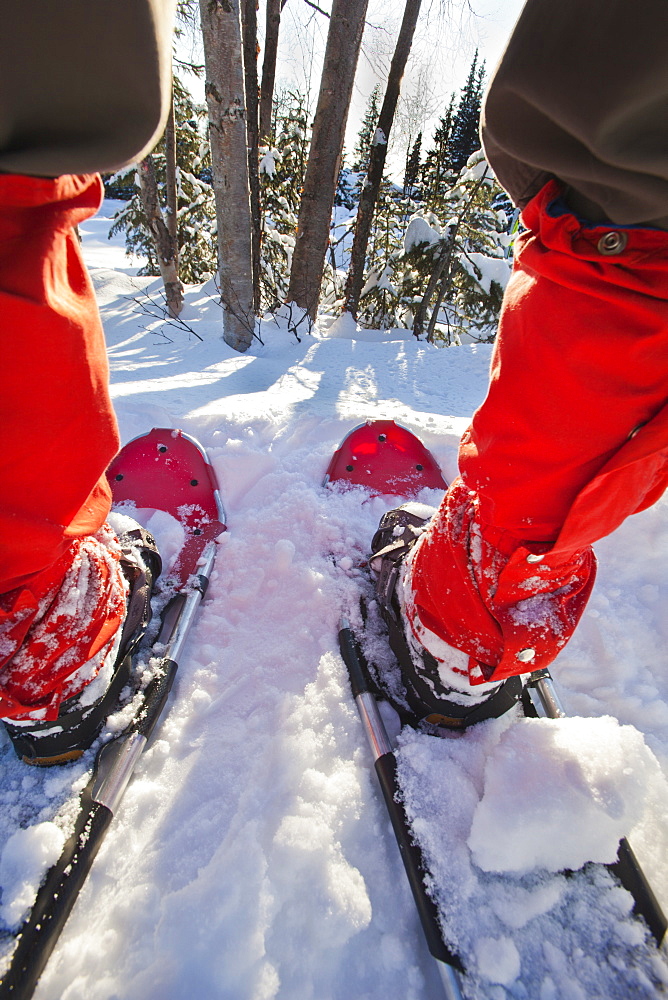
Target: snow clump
[559,793]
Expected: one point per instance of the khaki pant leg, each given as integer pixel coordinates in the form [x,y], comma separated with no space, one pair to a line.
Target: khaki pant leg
[581,94]
[84,85]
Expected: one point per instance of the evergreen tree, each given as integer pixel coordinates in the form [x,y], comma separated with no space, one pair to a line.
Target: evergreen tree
[464,138]
[380,306]
[441,266]
[345,196]
[447,270]
[413,167]
[466,267]
[282,171]
[196,213]
[437,175]
[367,132]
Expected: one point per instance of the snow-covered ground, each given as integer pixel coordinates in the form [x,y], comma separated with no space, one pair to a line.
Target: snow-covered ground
[252,858]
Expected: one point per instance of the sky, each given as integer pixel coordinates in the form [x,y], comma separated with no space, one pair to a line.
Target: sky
[447,36]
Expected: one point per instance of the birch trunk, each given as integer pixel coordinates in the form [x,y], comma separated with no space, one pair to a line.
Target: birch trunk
[378,153]
[343,44]
[223,58]
[165,245]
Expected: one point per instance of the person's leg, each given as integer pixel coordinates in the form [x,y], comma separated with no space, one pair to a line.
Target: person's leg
[59,434]
[577,391]
[572,436]
[67,107]
[72,596]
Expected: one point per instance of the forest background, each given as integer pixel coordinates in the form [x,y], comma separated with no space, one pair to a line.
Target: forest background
[299,207]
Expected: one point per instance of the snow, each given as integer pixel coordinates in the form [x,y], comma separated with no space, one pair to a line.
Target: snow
[24,857]
[251,858]
[486,269]
[559,793]
[268,162]
[419,232]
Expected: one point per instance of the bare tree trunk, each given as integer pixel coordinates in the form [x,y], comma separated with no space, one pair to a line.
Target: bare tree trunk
[223,58]
[249,24]
[165,245]
[374,177]
[443,289]
[273,22]
[171,195]
[343,44]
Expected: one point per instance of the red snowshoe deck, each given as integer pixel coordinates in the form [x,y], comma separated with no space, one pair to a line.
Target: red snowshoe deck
[168,470]
[385,458]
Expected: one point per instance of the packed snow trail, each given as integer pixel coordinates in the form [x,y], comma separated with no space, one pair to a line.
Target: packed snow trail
[251,858]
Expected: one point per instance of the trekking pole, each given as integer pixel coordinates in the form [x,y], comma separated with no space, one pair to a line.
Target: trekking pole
[448,964]
[99,802]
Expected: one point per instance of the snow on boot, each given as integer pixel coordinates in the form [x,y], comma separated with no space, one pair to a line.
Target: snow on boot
[81,716]
[437,688]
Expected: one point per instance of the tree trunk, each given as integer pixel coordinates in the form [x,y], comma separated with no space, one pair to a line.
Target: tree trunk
[273,22]
[249,24]
[369,195]
[223,58]
[443,260]
[165,245]
[343,44]
[171,195]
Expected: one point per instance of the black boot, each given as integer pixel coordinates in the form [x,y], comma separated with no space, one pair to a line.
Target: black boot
[430,701]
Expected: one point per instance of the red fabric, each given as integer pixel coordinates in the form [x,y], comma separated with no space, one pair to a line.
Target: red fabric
[59,430]
[52,626]
[571,439]
[473,586]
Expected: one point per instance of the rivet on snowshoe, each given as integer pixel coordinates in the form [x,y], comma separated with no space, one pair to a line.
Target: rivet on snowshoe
[118,477]
[162,448]
[194,482]
[382,437]
[419,468]
[350,468]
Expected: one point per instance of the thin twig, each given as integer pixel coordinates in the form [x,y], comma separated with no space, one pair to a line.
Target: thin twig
[315,7]
[159,312]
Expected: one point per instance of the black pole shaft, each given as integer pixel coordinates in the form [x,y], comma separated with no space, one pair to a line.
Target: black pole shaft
[64,880]
[55,900]
[386,769]
[411,855]
[645,904]
[627,867]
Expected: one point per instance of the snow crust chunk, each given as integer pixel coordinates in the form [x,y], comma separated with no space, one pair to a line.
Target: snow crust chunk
[559,793]
[25,856]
